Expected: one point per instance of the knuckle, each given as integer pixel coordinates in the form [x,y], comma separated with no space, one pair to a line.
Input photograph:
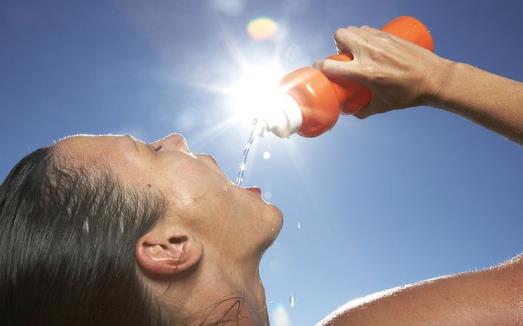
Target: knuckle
[372,73]
[353,30]
[340,33]
[377,53]
[386,37]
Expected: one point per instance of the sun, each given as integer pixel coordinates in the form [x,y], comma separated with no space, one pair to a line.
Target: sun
[256,90]
[257,97]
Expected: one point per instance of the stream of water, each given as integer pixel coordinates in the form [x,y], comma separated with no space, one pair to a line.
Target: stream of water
[246,150]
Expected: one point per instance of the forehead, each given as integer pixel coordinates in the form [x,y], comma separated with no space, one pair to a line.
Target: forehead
[95,149]
[94,140]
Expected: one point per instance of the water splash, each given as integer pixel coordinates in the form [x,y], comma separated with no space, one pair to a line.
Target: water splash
[243,165]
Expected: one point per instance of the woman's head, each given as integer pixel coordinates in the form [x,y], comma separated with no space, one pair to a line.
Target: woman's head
[66,241]
[113,214]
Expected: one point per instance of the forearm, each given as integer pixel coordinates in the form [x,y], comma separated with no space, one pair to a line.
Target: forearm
[487,99]
[490,297]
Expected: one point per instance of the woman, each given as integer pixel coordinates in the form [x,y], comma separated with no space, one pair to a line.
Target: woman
[111,230]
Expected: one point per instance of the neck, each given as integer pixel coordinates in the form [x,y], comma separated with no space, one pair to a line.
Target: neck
[215,292]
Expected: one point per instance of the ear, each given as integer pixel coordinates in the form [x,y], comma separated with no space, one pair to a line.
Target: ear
[164,252]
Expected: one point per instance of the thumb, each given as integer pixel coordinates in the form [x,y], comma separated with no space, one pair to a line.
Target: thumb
[341,70]
[363,113]
[375,106]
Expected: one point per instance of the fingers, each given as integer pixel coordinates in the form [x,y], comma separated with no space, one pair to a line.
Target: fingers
[350,39]
[359,41]
[371,109]
[363,113]
[341,69]
[373,31]
[365,44]
[351,71]
[353,39]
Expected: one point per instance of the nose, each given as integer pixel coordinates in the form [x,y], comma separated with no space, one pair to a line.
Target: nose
[173,141]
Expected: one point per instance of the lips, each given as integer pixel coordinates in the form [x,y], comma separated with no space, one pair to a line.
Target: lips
[254,189]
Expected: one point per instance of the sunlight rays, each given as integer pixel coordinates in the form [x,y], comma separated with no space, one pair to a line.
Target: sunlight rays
[205,137]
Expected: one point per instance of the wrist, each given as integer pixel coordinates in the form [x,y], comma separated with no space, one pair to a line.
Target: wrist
[438,80]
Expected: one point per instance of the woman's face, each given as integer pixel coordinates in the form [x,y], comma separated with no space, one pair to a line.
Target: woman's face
[236,222]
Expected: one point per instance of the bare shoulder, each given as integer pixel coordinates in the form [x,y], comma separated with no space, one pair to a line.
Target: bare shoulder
[485,297]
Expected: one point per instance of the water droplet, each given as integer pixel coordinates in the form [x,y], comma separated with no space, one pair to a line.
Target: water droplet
[292,300]
[266,155]
[299,225]
[86,227]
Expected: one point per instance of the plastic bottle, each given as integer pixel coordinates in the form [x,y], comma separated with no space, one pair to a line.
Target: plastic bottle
[312,103]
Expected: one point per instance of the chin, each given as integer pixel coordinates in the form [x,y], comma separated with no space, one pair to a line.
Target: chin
[278,219]
[274,219]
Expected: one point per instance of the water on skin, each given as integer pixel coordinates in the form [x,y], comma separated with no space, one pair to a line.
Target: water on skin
[246,149]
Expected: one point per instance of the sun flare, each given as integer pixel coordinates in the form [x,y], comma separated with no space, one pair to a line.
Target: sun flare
[256,92]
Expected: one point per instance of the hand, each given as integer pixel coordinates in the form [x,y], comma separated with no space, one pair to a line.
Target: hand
[399,73]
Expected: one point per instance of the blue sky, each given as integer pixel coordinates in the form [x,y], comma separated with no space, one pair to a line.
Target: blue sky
[385,201]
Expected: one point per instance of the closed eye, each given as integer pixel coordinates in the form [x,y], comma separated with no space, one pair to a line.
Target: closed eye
[154,148]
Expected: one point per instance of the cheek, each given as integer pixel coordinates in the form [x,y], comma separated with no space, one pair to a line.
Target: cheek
[211,216]
[188,183]
[183,192]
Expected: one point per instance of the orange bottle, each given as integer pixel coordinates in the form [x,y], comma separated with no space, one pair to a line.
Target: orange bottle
[313,102]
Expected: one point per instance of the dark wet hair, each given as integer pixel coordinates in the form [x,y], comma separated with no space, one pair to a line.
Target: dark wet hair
[67,239]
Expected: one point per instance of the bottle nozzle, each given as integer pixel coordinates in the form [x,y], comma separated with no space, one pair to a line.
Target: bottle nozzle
[283,120]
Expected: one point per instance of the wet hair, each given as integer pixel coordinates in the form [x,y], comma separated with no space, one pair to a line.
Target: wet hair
[67,238]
